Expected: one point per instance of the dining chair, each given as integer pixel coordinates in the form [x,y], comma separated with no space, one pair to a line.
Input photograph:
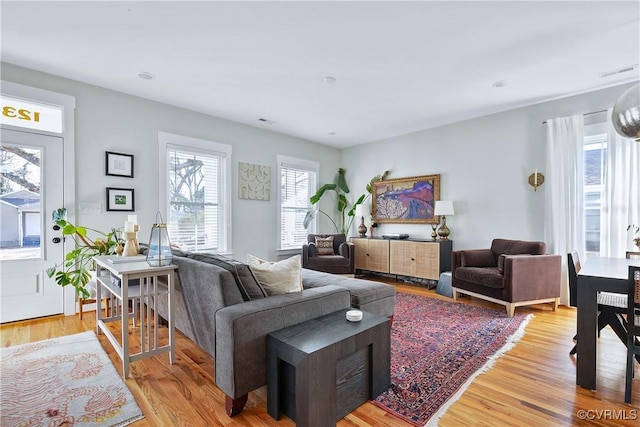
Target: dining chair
[611,306]
[633,327]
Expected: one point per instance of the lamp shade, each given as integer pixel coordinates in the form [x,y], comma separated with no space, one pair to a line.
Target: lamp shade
[443,207]
[159,254]
[362,210]
[626,113]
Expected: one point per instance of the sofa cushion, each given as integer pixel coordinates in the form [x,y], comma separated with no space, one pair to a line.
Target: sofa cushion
[324,245]
[362,291]
[280,277]
[485,276]
[247,283]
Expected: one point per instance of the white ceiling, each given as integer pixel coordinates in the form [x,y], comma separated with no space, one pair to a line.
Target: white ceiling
[399,66]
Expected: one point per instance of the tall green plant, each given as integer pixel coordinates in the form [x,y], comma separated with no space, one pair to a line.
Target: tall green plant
[341,189]
[77,264]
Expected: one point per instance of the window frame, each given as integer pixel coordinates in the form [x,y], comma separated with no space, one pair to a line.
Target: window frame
[196,145]
[302,164]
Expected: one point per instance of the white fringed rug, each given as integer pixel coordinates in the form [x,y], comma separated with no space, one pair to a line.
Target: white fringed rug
[63,381]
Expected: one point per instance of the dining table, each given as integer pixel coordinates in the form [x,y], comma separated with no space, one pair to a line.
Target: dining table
[598,274]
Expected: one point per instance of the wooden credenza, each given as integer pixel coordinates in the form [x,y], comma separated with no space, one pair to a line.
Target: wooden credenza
[424,259]
[372,254]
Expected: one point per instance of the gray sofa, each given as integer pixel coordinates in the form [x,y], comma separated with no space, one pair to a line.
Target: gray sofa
[219,306]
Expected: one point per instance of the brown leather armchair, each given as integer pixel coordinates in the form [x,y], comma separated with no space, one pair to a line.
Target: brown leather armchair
[512,273]
[340,261]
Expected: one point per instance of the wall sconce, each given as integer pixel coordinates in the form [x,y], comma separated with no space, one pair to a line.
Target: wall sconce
[536,179]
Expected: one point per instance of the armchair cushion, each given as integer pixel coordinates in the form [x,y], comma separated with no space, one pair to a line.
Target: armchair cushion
[478,258]
[487,276]
[501,264]
[517,247]
[324,245]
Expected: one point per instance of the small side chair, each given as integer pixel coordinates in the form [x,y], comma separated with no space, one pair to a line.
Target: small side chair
[633,328]
[611,306]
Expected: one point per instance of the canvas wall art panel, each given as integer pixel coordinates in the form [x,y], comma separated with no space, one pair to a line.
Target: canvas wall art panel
[254,181]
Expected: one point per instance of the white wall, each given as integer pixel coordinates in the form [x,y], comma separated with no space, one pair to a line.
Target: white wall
[484,163]
[484,166]
[112,121]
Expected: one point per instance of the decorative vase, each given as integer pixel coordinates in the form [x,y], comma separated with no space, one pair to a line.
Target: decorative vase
[434,235]
[130,245]
[119,249]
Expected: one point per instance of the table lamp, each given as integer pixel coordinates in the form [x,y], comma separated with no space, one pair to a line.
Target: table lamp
[361,211]
[444,208]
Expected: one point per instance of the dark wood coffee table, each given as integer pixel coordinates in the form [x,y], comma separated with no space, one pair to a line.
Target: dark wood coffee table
[320,370]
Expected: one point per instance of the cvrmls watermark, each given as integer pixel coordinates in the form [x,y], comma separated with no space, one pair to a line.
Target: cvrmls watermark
[608,414]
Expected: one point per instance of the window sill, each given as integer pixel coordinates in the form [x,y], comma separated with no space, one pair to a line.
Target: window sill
[289,251]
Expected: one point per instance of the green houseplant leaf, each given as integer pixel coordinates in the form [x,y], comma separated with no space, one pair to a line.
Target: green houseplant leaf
[341,189]
[78,262]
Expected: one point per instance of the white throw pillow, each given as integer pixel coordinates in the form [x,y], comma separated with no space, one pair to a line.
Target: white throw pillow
[280,277]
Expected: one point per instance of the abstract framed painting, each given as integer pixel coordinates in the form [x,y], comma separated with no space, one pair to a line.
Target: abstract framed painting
[406,200]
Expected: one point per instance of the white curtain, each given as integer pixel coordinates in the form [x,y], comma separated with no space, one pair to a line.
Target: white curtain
[564,205]
[620,197]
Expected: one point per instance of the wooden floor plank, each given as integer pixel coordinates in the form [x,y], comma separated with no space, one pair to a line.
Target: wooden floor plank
[532,384]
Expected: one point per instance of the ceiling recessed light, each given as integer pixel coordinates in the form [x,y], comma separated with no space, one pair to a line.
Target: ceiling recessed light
[328,80]
[499,83]
[146,76]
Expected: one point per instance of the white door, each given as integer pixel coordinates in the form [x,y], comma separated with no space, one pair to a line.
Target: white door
[28,243]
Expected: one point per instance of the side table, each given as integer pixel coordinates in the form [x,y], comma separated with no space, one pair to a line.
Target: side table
[320,370]
[146,293]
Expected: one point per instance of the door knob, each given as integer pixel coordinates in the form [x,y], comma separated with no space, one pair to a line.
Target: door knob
[56,227]
[56,240]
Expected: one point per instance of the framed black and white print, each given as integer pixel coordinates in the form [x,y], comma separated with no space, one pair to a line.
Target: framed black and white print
[118,164]
[120,199]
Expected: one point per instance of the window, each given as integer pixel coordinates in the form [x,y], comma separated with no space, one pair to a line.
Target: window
[595,158]
[297,183]
[197,199]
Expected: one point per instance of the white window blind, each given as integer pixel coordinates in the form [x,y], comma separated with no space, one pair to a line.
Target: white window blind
[196,198]
[298,182]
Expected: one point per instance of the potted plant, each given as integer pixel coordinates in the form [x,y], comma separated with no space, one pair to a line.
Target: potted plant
[341,189]
[636,233]
[75,270]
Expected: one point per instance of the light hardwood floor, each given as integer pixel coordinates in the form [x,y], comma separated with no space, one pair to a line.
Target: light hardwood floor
[533,384]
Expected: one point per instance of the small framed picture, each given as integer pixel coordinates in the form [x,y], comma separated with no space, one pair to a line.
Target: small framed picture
[120,199]
[118,164]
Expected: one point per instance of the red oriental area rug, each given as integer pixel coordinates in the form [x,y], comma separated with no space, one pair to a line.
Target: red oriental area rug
[437,349]
[66,381]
